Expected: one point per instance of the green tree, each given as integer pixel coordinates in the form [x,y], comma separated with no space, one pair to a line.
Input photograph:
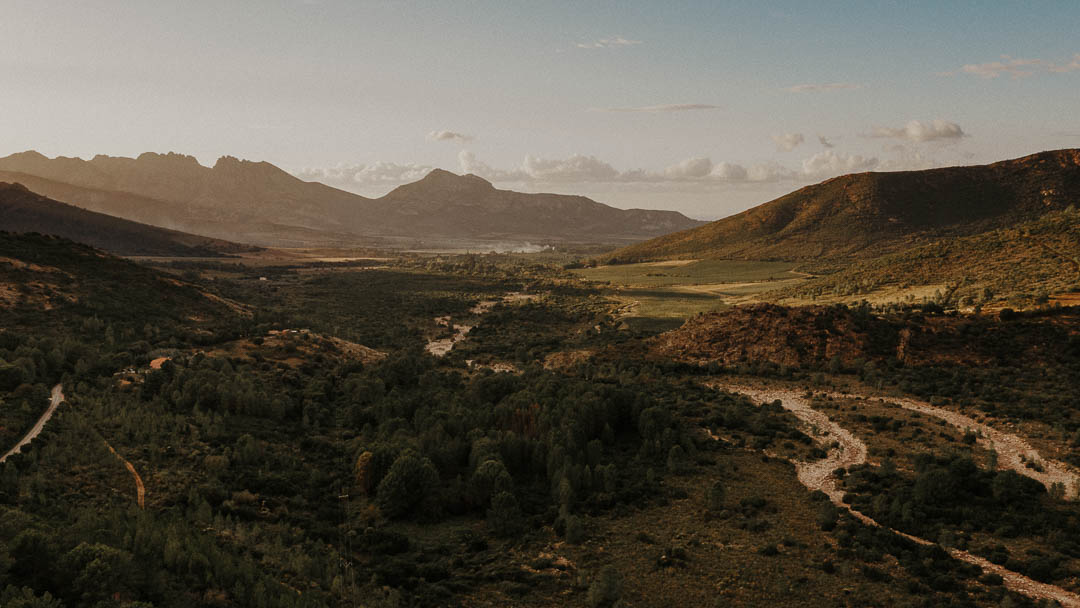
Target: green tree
[409,482]
[13,597]
[100,571]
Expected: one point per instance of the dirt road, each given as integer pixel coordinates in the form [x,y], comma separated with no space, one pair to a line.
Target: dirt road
[1013,452]
[54,402]
[850,451]
[442,346]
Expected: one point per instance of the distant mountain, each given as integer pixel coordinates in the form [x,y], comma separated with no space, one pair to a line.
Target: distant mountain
[868,214]
[258,203]
[24,211]
[446,204]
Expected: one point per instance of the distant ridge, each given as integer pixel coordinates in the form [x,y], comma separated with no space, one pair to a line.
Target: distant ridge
[868,214]
[23,211]
[256,202]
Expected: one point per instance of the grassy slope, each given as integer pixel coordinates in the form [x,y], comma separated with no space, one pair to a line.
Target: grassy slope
[1015,264]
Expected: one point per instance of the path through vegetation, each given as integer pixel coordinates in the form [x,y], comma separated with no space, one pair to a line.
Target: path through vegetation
[849,451]
[140,489]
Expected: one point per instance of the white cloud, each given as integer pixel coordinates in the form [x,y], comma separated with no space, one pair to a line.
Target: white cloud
[824,141]
[788,141]
[729,172]
[822,86]
[1016,68]
[448,136]
[919,131]
[670,107]
[607,43]
[830,163]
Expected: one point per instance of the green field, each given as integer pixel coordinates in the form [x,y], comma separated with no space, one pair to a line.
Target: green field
[667,291]
[662,274]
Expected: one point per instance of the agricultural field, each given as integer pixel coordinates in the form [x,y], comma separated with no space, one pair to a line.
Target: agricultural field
[660,293]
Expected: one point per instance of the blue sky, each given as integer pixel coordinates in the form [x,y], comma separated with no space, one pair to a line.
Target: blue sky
[720,105]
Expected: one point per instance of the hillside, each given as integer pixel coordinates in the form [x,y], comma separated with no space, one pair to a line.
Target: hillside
[24,211]
[258,203]
[867,214]
[1014,266]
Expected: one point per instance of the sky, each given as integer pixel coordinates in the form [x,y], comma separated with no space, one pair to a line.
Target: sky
[708,108]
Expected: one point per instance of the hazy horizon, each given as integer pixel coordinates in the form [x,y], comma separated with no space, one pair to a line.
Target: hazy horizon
[702,109]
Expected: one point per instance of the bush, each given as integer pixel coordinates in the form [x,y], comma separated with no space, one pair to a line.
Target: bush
[827,516]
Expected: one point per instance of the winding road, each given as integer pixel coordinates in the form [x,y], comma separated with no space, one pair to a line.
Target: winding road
[850,451]
[54,402]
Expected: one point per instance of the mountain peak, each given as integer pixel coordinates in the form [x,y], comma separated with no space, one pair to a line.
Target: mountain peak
[444,178]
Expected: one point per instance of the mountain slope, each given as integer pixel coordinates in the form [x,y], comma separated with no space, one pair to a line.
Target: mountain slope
[24,211]
[867,214]
[258,203]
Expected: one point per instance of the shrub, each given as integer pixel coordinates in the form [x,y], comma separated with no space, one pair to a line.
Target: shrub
[714,498]
[575,530]
[606,589]
[504,516]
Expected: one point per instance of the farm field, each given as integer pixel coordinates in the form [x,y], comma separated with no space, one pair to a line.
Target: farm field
[659,293]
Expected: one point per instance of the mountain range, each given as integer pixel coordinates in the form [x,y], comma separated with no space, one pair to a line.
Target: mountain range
[258,203]
[864,215]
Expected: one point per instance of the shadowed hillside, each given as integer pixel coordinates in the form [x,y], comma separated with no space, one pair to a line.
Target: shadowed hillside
[867,214]
[24,211]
